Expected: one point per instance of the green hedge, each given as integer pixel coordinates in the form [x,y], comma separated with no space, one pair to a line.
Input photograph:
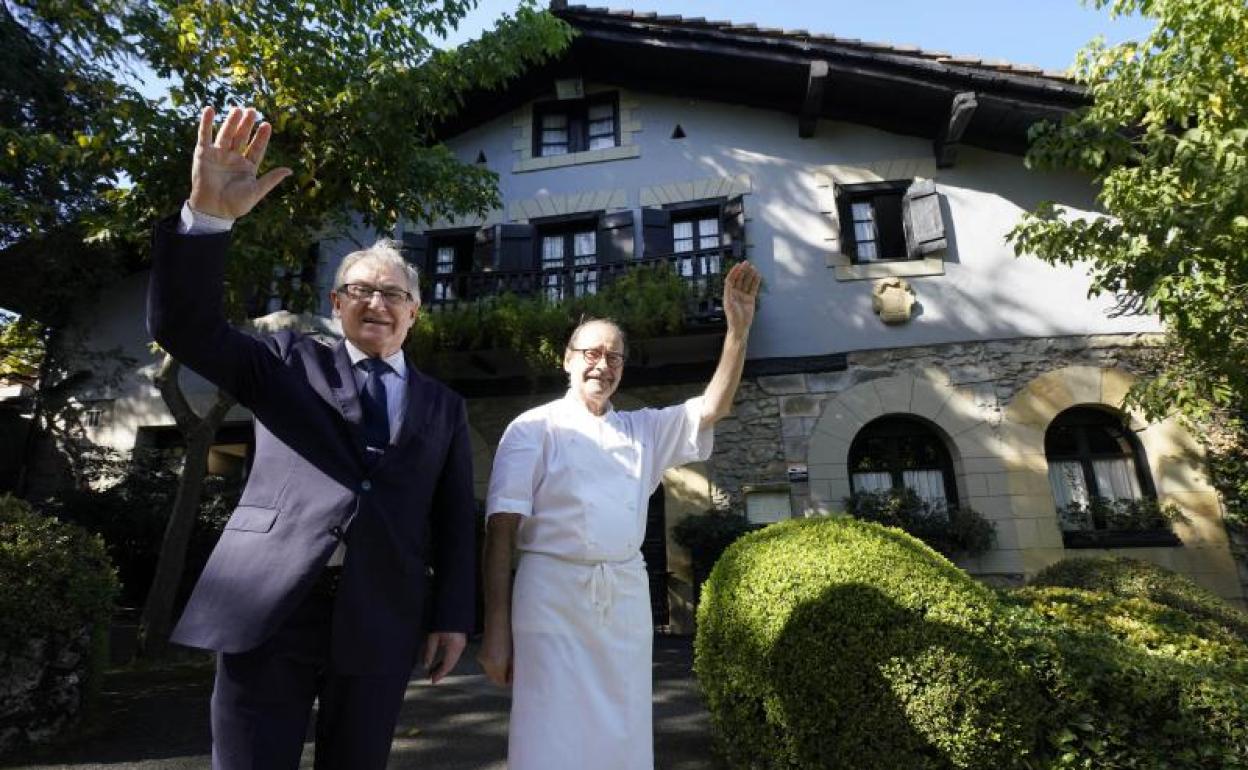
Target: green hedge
[836,643]
[55,578]
[1121,576]
[830,643]
[1136,684]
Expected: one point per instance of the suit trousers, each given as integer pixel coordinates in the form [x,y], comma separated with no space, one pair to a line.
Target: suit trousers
[262,700]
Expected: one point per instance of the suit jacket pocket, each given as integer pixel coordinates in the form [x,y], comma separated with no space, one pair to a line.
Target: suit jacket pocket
[250,518]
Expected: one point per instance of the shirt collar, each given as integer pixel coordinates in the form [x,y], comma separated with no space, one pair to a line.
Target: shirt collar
[397,361]
[572,402]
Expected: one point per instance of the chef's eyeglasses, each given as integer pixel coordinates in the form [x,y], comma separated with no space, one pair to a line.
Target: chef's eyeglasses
[593,355]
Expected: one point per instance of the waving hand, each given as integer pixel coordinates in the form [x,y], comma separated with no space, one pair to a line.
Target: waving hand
[224,181]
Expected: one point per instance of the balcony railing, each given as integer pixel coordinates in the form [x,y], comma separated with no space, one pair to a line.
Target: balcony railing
[700,271]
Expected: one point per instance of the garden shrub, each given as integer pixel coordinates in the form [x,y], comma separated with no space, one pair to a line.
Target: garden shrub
[833,642]
[837,643]
[951,530]
[1125,577]
[56,596]
[1136,684]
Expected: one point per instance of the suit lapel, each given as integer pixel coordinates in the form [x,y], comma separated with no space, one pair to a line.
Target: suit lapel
[345,391]
[416,411]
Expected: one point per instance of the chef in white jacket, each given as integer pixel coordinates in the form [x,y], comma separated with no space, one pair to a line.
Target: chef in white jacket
[569,489]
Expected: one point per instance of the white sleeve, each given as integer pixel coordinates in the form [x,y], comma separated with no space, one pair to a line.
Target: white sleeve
[193,222]
[674,436]
[517,468]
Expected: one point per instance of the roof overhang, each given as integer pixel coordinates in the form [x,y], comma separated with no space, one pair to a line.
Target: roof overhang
[905,91]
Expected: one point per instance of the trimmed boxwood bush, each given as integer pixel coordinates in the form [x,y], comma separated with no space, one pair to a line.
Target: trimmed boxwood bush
[835,643]
[56,596]
[1121,576]
[838,643]
[1136,684]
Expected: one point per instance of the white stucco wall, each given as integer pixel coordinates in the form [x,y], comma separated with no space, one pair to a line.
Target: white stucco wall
[985,292]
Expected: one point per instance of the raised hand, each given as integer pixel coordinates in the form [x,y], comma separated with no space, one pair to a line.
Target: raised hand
[224,180]
[740,292]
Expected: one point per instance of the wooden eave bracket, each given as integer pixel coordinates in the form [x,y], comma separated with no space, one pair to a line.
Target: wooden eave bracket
[816,79]
[961,110]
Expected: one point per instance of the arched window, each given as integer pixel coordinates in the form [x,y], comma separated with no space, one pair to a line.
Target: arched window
[896,452]
[1096,470]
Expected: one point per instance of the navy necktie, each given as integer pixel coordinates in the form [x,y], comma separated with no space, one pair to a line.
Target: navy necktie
[373,405]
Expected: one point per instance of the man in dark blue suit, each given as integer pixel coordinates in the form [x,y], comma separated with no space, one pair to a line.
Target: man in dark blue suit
[354,535]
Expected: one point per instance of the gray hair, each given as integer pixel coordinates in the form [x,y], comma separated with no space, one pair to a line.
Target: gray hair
[384,252]
[588,320]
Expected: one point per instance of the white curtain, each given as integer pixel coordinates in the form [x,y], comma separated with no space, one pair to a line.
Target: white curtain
[872,482]
[1116,479]
[928,485]
[1066,480]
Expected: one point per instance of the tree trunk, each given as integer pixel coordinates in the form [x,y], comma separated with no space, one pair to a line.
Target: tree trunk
[199,432]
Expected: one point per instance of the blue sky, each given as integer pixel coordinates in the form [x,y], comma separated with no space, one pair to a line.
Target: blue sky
[1044,33]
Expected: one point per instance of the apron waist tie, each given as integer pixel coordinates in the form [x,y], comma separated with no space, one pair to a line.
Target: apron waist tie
[602,580]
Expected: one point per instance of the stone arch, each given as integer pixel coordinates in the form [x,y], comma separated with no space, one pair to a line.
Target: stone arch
[1175,459]
[950,411]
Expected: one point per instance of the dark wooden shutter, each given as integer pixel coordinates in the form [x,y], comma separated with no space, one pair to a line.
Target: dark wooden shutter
[923,222]
[615,237]
[514,247]
[416,250]
[483,248]
[656,232]
[733,218]
[845,215]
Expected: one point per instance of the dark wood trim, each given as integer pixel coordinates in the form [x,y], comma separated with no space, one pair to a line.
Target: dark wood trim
[961,111]
[816,79]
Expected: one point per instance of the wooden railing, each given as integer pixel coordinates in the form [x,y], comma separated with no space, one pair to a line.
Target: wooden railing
[701,271]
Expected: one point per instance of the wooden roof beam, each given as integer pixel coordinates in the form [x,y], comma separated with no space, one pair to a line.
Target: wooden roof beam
[816,79]
[961,110]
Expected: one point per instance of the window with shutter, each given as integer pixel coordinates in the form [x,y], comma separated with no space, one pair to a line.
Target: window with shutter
[873,221]
[576,125]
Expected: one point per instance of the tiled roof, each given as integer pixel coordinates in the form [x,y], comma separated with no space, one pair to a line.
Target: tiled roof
[804,36]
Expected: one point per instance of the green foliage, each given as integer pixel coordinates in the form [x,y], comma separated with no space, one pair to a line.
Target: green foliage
[837,643]
[1226,439]
[356,90]
[1166,143]
[55,578]
[711,532]
[1124,577]
[645,302]
[1135,684]
[950,530]
[126,501]
[1139,515]
[21,349]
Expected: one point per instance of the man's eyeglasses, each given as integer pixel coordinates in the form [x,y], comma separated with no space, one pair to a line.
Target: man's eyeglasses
[362,292]
[593,355]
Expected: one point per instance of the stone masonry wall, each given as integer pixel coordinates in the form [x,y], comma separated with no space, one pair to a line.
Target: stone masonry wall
[774,416]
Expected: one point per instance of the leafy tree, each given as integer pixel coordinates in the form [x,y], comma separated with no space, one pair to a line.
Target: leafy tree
[21,349]
[1166,142]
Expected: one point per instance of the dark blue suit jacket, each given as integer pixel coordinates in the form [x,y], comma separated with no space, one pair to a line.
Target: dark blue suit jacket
[408,520]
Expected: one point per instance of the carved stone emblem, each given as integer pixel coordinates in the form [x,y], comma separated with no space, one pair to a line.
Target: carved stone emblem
[893,300]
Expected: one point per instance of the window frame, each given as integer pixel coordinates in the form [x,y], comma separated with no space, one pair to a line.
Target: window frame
[577,113]
[869,192]
[463,241]
[898,426]
[1100,536]
[567,227]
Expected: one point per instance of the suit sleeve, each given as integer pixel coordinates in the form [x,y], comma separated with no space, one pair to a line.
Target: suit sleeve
[185,314]
[453,524]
